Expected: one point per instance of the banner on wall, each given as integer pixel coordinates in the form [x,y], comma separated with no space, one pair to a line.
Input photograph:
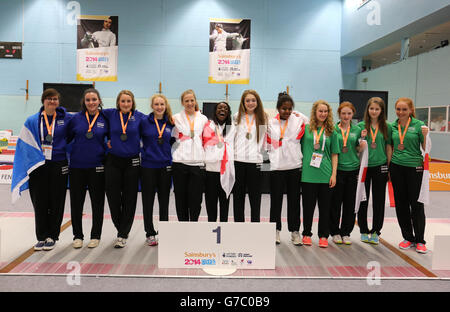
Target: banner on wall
[97,48]
[229,51]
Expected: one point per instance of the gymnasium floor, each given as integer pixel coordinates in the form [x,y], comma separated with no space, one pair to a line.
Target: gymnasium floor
[298,268]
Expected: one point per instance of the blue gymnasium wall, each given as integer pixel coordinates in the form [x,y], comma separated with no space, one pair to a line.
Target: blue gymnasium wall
[295,43]
[424,78]
[398,19]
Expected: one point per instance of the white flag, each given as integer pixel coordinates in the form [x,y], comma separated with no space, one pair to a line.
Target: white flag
[424,196]
[361,188]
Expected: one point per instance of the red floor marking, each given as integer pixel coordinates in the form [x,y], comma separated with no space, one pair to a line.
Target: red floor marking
[106,269]
[21,267]
[442,273]
[150,269]
[54,267]
[42,267]
[85,267]
[354,272]
[333,271]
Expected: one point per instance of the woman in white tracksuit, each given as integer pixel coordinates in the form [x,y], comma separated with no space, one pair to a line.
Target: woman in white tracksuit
[285,155]
[218,142]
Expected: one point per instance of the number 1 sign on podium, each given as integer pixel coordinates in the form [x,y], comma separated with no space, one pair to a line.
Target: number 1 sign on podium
[218,248]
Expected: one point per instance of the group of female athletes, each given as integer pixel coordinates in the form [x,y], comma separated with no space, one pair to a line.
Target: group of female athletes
[312,159]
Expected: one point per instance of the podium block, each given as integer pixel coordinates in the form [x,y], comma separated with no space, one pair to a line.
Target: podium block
[216,245]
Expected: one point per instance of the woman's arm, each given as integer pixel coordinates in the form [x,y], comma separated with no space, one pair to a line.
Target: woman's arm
[334,162]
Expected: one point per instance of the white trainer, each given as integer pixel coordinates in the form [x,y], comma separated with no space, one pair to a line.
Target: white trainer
[120,242]
[337,239]
[277,238]
[77,243]
[346,240]
[295,237]
[93,243]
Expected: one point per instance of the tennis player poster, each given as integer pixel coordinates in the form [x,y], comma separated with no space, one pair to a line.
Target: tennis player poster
[229,51]
[97,48]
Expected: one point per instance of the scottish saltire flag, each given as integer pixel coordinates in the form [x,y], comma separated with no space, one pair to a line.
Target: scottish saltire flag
[361,189]
[28,156]
[424,195]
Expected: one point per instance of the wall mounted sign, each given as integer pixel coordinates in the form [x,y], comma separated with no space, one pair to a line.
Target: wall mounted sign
[11,50]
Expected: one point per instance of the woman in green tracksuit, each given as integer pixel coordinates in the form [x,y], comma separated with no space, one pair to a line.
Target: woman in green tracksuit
[344,194]
[378,133]
[406,171]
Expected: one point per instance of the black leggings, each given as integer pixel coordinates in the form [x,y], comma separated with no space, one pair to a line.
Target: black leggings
[82,179]
[377,176]
[313,193]
[122,184]
[155,180]
[188,183]
[248,178]
[48,188]
[290,179]
[343,199]
[406,182]
[213,194]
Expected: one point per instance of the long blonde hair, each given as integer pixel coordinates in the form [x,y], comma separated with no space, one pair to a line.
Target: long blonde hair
[260,114]
[328,123]
[168,111]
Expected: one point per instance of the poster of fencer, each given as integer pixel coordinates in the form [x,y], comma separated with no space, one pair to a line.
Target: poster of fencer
[229,51]
[97,48]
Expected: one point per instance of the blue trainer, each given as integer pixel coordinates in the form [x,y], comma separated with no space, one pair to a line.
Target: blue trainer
[374,239]
[365,238]
[39,245]
[49,244]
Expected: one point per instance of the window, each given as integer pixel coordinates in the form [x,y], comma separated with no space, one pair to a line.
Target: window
[435,117]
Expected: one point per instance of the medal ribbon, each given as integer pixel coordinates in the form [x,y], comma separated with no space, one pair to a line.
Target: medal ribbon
[93,121]
[345,136]
[317,137]
[160,131]
[49,127]
[191,124]
[124,127]
[249,127]
[282,130]
[219,135]
[400,134]
[374,136]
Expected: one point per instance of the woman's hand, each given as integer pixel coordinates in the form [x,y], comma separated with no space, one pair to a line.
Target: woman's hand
[332,181]
[364,133]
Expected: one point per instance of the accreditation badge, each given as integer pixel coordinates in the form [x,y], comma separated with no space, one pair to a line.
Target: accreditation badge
[316,160]
[47,149]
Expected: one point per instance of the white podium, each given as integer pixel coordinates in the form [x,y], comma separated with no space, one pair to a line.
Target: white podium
[218,248]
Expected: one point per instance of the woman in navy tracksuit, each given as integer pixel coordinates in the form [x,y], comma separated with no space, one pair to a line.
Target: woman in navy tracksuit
[156,167]
[48,183]
[123,163]
[88,130]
